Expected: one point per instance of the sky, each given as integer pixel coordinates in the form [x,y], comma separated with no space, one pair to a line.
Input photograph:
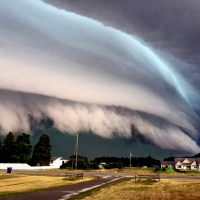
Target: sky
[125,71]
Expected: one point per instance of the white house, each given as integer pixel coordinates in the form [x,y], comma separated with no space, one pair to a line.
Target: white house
[187,163]
[56,162]
[183,163]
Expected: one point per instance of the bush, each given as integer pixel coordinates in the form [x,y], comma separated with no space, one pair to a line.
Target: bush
[164,169]
[66,165]
[157,169]
[107,166]
[120,165]
[94,165]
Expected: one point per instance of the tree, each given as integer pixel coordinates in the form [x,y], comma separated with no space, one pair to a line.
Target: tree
[9,147]
[197,155]
[82,162]
[22,149]
[94,165]
[42,151]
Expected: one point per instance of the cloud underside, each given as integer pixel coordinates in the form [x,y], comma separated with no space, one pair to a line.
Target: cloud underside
[85,76]
[19,111]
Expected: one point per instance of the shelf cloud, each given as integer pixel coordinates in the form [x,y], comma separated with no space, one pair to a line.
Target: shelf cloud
[88,76]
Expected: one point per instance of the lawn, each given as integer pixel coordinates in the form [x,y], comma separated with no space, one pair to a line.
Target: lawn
[187,173]
[127,189]
[169,171]
[22,183]
[138,170]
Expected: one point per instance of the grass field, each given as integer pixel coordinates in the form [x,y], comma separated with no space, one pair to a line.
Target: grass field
[149,170]
[127,189]
[22,183]
[136,170]
[133,170]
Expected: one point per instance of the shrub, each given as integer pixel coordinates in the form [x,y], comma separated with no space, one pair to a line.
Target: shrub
[164,169]
[157,169]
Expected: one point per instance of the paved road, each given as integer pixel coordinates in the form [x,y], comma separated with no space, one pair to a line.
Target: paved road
[63,192]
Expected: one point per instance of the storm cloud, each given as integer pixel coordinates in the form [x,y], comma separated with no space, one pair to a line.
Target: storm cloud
[51,57]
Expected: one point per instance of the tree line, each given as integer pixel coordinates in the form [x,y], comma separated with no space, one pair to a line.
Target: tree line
[110,162]
[19,150]
[172,158]
[113,162]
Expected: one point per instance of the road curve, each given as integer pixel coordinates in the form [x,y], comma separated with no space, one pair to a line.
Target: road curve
[64,192]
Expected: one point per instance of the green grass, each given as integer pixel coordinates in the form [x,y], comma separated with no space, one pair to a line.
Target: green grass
[168,171]
[172,172]
[138,170]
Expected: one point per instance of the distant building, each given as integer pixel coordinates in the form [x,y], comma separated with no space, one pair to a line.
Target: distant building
[57,161]
[167,163]
[101,165]
[187,163]
[183,163]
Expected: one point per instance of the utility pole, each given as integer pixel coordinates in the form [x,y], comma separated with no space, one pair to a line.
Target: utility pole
[130,158]
[73,157]
[76,151]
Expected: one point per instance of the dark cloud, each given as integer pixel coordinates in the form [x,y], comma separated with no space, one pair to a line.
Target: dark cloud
[164,23]
[168,25]
[136,54]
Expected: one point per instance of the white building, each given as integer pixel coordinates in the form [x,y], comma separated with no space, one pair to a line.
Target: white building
[56,162]
[183,163]
[187,163]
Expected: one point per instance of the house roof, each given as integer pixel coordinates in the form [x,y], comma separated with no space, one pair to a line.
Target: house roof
[55,158]
[194,163]
[63,159]
[179,159]
[182,159]
[190,159]
[179,163]
[186,161]
[198,160]
[167,162]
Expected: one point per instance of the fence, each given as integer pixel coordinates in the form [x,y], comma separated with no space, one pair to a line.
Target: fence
[152,176]
[74,175]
